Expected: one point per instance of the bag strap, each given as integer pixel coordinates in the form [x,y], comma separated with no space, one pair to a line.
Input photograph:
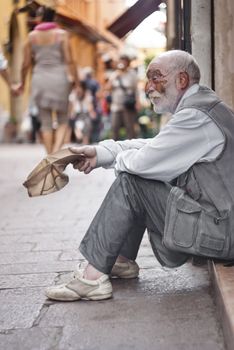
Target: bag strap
[124,87]
[121,84]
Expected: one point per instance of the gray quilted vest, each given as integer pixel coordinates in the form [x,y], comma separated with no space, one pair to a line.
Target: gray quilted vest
[200,209]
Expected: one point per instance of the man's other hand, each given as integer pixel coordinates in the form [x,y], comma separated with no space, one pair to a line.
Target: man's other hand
[87,160]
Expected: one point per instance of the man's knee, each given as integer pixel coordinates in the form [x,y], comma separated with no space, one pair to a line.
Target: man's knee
[126,178]
[124,175]
[135,184]
[127,183]
[135,179]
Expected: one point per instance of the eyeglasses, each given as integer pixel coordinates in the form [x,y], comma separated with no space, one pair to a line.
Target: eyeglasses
[155,79]
[156,76]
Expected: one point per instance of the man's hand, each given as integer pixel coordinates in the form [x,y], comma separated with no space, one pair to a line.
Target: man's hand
[88,158]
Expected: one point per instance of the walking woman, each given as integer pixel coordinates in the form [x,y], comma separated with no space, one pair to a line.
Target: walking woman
[53,76]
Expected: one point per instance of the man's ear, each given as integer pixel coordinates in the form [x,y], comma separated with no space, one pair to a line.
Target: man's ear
[183,80]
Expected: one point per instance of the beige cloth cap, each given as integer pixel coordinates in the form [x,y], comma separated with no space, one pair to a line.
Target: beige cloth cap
[48,177]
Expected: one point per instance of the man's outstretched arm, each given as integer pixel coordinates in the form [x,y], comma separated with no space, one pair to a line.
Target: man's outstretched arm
[104,154]
[190,137]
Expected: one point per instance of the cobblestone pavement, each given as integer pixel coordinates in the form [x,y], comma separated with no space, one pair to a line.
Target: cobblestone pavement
[163,309]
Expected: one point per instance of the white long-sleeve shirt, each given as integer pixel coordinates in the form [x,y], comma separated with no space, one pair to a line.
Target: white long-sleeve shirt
[189,137]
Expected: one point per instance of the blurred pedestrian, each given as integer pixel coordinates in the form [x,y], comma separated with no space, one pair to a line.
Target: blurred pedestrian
[81,113]
[94,87]
[53,75]
[110,67]
[123,86]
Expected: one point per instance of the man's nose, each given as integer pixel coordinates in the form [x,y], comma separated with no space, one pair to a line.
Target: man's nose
[148,88]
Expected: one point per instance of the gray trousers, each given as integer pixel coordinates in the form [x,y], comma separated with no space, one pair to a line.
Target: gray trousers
[132,205]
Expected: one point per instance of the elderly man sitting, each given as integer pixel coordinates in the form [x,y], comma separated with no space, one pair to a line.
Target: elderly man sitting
[178,185]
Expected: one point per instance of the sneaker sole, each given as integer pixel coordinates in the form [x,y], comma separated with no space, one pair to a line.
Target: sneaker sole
[94,297]
[63,299]
[99,297]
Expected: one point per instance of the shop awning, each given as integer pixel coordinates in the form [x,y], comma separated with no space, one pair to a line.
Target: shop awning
[131,18]
[76,24]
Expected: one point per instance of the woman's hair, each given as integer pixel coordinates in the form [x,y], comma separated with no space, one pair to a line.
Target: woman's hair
[125,58]
[48,14]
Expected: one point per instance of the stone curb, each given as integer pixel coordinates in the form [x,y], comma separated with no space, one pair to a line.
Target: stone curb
[223,282]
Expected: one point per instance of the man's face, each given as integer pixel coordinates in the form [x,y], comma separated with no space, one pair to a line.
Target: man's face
[123,64]
[161,88]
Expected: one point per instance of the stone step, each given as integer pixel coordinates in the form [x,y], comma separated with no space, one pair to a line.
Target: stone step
[223,282]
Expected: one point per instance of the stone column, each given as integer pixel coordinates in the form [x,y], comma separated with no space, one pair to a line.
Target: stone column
[16,103]
[201,37]
[170,27]
[224,50]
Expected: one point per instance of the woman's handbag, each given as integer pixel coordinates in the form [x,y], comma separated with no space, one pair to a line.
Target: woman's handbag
[130,102]
[129,98]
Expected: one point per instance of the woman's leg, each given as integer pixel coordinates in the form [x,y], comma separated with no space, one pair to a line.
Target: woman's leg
[87,130]
[116,121]
[86,140]
[59,139]
[129,117]
[61,131]
[45,117]
[47,139]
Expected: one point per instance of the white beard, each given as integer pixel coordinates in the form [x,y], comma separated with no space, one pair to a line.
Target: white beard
[165,102]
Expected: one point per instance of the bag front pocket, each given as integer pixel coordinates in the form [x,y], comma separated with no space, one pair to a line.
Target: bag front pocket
[189,228]
[181,221]
[185,226]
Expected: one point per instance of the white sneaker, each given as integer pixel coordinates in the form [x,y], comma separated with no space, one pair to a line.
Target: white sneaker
[81,288]
[128,269]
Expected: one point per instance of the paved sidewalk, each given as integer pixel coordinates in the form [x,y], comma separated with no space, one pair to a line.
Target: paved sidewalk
[165,309]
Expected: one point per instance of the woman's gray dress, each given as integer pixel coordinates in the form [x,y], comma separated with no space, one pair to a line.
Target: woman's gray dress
[50,85]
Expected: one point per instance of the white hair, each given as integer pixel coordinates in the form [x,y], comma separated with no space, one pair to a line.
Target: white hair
[179,60]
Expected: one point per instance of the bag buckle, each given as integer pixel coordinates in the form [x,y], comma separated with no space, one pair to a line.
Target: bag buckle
[217,220]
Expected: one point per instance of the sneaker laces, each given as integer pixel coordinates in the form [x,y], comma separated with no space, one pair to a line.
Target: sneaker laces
[79,270]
